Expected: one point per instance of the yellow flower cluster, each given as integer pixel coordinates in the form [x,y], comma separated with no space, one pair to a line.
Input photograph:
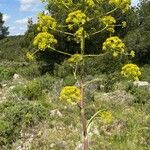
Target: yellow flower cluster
[132,53]
[79,33]
[29,56]
[115,45]
[131,71]
[124,24]
[106,117]
[109,21]
[76,58]
[90,3]
[122,4]
[70,94]
[45,22]
[76,18]
[44,40]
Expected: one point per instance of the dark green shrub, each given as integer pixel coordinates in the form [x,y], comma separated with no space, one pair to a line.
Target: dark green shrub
[17,115]
[103,64]
[6,73]
[63,69]
[110,80]
[142,95]
[46,81]
[69,80]
[30,71]
[145,73]
[10,49]
[31,91]
[35,89]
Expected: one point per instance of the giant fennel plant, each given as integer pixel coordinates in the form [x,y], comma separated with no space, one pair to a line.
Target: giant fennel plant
[76,26]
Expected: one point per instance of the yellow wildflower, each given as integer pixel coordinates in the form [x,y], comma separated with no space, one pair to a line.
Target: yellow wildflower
[45,22]
[132,53]
[124,24]
[29,56]
[122,4]
[90,3]
[106,117]
[43,40]
[131,71]
[114,45]
[109,21]
[76,18]
[79,33]
[70,94]
[76,58]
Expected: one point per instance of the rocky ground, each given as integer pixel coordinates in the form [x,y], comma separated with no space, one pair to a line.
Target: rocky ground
[61,128]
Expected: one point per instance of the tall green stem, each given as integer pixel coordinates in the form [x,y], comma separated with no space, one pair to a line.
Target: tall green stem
[82,104]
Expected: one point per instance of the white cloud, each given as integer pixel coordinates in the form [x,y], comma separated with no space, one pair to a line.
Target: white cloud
[22,21]
[17,29]
[12,28]
[28,5]
[6,17]
[134,2]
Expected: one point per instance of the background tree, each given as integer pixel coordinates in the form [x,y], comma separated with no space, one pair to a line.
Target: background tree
[3,29]
[138,38]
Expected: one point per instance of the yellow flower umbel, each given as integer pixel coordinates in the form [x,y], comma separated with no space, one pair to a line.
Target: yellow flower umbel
[70,94]
[106,117]
[131,71]
[132,53]
[76,58]
[29,56]
[124,24]
[45,22]
[79,33]
[109,22]
[76,18]
[90,3]
[114,45]
[44,40]
[122,4]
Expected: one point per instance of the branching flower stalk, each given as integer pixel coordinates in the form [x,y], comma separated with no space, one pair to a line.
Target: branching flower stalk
[82,103]
[76,21]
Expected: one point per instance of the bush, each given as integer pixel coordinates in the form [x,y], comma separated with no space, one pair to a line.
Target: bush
[63,69]
[6,73]
[30,71]
[123,85]
[11,49]
[103,64]
[17,115]
[31,91]
[69,80]
[145,73]
[35,89]
[142,95]
[111,79]
[46,81]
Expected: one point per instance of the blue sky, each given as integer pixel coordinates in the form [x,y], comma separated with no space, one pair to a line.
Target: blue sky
[17,12]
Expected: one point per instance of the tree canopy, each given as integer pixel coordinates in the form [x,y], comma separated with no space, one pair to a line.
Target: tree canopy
[3,29]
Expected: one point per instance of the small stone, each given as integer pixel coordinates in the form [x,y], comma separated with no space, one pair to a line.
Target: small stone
[52,145]
[12,87]
[3,97]
[141,83]
[15,76]
[56,112]
[79,146]
[4,85]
